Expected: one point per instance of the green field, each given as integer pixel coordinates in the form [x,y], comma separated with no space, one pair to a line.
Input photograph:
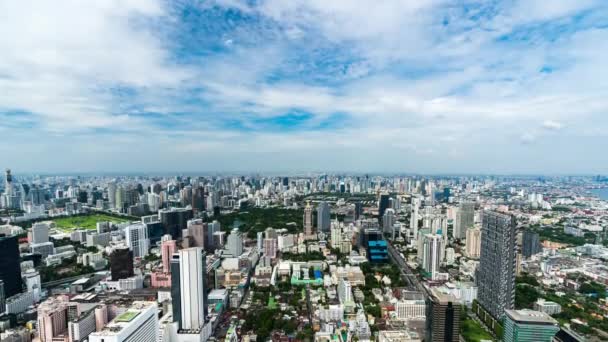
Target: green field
[85,222]
[473,332]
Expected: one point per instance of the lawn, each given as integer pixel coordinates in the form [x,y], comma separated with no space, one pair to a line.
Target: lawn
[67,224]
[473,332]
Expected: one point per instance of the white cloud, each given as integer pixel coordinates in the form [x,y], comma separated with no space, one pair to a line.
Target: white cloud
[59,58]
[552,125]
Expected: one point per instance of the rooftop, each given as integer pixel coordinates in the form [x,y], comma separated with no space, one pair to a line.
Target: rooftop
[530,317]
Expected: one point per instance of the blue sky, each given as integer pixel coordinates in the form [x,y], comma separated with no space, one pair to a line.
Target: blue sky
[431,86]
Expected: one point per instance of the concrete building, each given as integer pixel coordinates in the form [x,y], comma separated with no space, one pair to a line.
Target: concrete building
[443,318]
[188,290]
[550,308]
[139,323]
[53,319]
[529,326]
[432,254]
[308,227]
[473,243]
[323,217]
[496,273]
[234,246]
[464,219]
[137,239]
[40,233]
[345,292]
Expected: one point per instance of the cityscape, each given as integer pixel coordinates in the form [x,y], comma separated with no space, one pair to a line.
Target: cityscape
[303,171]
[316,257]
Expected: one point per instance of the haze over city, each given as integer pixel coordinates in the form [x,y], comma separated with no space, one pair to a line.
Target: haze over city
[416,86]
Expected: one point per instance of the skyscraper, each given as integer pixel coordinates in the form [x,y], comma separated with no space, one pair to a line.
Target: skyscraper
[40,233]
[137,239]
[383,204]
[323,217]
[189,291]
[530,244]
[10,269]
[443,318]
[121,263]
[465,219]
[308,229]
[432,254]
[388,220]
[2,298]
[197,231]
[53,318]
[473,243]
[414,217]
[167,248]
[496,272]
[235,243]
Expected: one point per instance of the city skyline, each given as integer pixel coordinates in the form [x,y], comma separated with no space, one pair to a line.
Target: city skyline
[422,87]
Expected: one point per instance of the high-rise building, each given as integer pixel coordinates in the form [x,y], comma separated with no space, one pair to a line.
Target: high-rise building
[188,289]
[53,318]
[175,220]
[112,194]
[121,263]
[336,235]
[234,246]
[270,248]
[2,298]
[529,326]
[432,254]
[443,318]
[212,228]
[323,217]
[167,249]
[260,241]
[345,291]
[375,245]
[383,204]
[137,239]
[308,228]
[388,221]
[473,243]
[496,272]
[10,268]
[137,324]
[465,219]
[40,233]
[530,244]
[414,217]
[197,231]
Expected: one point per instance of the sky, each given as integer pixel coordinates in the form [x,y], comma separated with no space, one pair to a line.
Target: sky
[424,86]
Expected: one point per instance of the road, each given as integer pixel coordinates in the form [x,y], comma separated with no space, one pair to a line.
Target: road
[66,280]
[406,272]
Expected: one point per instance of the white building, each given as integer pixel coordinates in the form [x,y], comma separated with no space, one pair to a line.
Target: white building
[234,246]
[137,239]
[192,288]
[473,243]
[550,308]
[139,323]
[409,309]
[40,233]
[345,292]
[431,256]
[83,326]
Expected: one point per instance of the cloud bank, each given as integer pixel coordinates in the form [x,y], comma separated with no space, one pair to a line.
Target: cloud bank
[396,86]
